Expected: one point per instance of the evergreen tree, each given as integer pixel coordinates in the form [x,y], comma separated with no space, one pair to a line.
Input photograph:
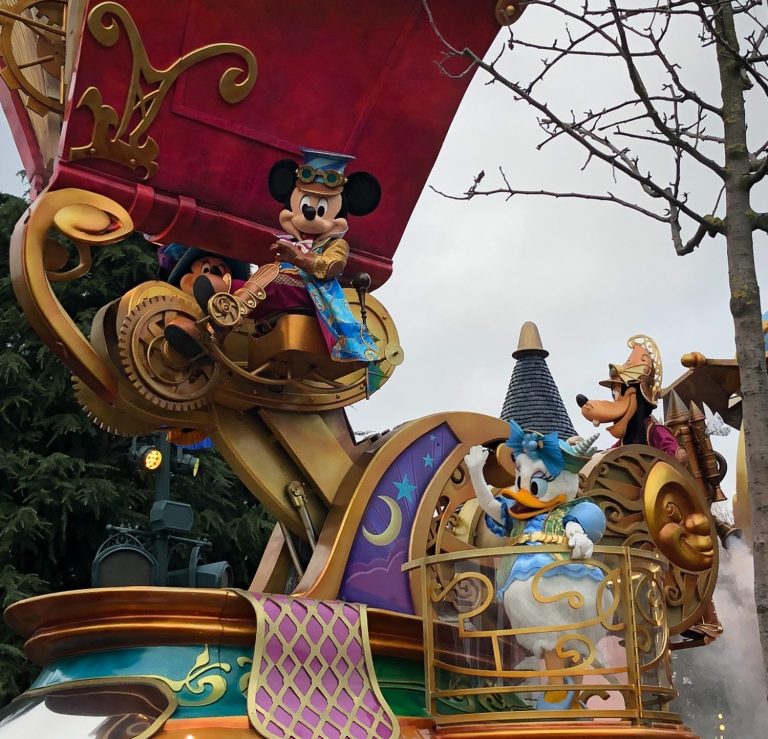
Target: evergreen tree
[62,479]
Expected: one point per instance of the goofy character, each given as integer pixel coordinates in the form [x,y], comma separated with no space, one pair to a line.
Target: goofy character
[541,509]
[635,385]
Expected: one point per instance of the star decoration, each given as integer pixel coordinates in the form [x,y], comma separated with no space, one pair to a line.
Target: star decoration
[428,461]
[432,437]
[404,488]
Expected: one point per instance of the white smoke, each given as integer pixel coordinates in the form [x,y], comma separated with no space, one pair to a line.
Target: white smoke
[722,686]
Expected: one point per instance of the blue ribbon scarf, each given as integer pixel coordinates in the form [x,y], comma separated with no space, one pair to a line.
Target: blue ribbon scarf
[537,446]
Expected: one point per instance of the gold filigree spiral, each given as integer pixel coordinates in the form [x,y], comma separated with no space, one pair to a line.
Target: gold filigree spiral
[120,137]
[205,688]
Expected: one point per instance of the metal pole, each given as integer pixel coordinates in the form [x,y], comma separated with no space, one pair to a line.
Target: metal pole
[163,475]
[162,492]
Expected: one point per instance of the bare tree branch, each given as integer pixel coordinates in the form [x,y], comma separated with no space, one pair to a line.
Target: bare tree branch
[674,119]
[681,248]
[760,222]
[759,169]
[610,158]
[510,192]
[639,88]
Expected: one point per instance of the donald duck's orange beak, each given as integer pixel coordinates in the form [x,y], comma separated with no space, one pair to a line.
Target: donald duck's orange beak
[527,505]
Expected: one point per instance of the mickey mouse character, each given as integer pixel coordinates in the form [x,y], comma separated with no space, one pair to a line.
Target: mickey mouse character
[317,198]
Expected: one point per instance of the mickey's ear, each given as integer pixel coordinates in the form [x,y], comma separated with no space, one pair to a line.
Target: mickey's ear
[361,193]
[282,179]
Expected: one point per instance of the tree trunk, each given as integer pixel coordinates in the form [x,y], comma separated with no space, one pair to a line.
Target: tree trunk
[745,305]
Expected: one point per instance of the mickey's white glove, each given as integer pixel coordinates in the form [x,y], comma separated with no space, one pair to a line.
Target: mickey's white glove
[476,457]
[578,541]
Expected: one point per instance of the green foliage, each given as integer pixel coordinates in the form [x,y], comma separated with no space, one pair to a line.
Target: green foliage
[62,480]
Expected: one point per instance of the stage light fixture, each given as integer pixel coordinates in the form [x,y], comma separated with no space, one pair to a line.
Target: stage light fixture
[149,457]
[186,464]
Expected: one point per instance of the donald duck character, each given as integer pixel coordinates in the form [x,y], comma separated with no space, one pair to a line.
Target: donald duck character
[541,509]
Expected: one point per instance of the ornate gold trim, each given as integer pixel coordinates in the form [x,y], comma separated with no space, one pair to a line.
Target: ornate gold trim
[325,571]
[59,625]
[112,137]
[540,537]
[567,730]
[632,579]
[196,681]
[90,220]
[637,512]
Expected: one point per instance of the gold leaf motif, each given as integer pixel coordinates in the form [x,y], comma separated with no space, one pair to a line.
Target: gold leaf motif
[210,688]
[242,684]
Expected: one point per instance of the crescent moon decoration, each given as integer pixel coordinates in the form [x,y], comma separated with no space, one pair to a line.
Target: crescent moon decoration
[393,529]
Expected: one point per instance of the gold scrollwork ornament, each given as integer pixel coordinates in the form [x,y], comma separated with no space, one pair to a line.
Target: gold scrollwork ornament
[37,260]
[205,688]
[112,137]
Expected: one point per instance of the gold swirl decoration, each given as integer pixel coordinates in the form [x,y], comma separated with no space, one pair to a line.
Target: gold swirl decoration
[89,220]
[112,137]
[466,663]
[34,28]
[242,683]
[205,687]
[652,502]
[440,593]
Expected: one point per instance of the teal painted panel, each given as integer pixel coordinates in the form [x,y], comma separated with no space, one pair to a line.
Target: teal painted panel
[207,681]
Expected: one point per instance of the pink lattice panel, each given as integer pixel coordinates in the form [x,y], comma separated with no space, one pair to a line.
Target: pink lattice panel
[312,673]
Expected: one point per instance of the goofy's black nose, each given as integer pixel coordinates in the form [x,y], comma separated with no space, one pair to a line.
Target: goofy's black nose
[309,212]
[581,400]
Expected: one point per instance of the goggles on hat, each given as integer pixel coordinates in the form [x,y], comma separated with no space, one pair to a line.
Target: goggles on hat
[330,177]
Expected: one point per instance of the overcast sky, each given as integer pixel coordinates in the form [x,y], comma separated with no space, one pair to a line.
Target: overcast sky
[468,274]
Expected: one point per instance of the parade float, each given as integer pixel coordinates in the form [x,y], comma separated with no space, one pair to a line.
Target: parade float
[399,594]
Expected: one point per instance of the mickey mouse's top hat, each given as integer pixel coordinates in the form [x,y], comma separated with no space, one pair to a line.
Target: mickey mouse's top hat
[322,172]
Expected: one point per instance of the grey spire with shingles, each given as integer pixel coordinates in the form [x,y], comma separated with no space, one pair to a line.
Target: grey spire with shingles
[533,399]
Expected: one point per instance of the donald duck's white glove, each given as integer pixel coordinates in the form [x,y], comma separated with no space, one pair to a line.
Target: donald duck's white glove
[578,541]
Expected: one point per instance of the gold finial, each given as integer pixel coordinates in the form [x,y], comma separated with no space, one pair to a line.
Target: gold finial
[529,342]
[693,360]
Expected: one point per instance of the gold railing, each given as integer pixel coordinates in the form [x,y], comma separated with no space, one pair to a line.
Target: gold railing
[567,639]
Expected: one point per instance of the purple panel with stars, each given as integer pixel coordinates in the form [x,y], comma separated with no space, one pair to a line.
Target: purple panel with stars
[380,548]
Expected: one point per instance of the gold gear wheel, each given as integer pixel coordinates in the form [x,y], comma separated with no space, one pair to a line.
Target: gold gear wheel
[161,375]
[105,416]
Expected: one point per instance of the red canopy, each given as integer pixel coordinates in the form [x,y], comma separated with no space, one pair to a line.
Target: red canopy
[354,77]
